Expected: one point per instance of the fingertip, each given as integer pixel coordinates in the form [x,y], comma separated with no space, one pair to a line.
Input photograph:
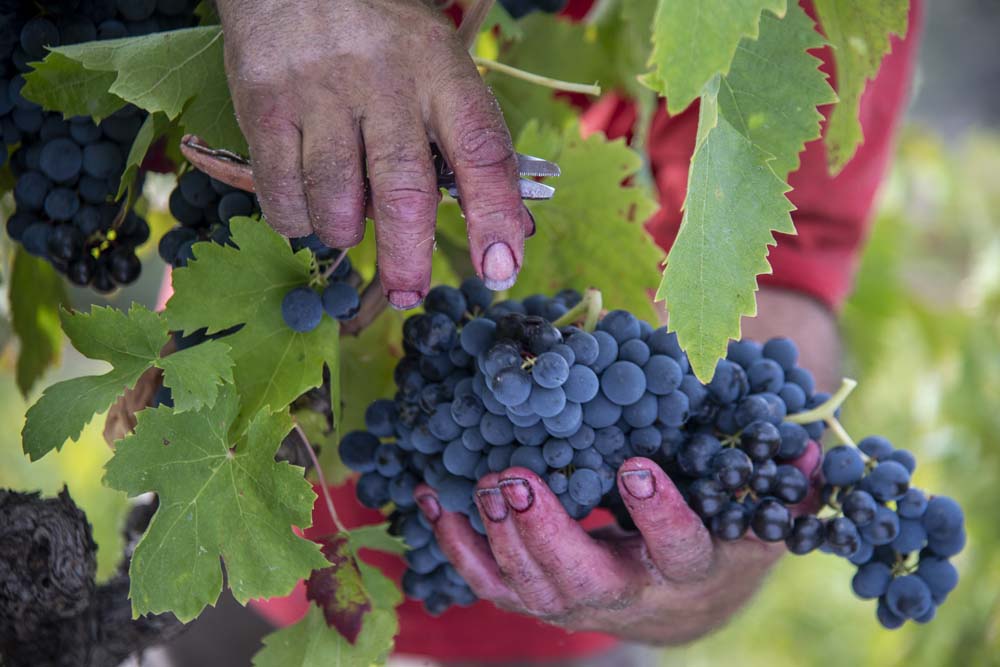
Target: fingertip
[809,462]
[341,231]
[639,478]
[488,481]
[404,299]
[676,539]
[427,501]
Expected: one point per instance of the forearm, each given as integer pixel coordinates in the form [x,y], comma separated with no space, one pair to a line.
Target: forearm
[809,323]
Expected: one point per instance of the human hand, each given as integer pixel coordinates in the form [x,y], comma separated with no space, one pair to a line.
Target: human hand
[328,94]
[667,584]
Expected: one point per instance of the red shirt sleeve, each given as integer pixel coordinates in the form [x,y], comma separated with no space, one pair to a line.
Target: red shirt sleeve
[832,213]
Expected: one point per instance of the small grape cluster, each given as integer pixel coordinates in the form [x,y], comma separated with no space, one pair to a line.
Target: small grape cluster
[519,8]
[303,308]
[68,171]
[899,539]
[203,207]
[483,387]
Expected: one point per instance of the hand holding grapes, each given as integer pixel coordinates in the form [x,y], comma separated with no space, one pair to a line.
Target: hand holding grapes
[668,584]
[329,94]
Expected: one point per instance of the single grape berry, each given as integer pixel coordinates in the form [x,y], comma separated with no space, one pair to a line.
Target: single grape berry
[302,309]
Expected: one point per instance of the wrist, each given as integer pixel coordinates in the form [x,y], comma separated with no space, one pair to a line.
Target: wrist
[813,327]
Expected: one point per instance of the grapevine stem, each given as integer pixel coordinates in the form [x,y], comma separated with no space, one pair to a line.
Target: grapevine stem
[322,479]
[589,309]
[333,266]
[537,79]
[825,412]
[839,430]
[373,302]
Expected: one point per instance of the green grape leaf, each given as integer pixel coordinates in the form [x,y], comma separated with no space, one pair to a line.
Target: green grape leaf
[859,33]
[695,41]
[753,123]
[179,73]
[376,537]
[36,292]
[311,643]
[131,343]
[221,496]
[63,84]
[195,375]
[590,234]
[155,125]
[499,18]
[774,86]
[225,286]
[624,36]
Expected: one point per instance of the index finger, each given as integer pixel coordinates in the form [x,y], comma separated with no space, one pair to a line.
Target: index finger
[472,134]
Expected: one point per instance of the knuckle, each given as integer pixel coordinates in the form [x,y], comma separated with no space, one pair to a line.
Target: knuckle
[484,145]
[408,207]
[387,159]
[339,232]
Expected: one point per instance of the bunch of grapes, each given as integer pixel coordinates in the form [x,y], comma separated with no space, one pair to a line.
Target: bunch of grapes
[899,539]
[204,207]
[485,386]
[68,171]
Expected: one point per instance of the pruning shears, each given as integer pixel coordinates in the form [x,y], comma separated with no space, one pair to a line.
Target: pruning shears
[234,170]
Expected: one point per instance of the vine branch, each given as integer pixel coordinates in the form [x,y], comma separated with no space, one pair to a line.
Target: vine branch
[537,79]
[322,479]
[826,410]
[589,309]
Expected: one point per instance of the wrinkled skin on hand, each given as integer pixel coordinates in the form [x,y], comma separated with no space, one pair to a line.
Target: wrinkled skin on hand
[667,584]
[330,94]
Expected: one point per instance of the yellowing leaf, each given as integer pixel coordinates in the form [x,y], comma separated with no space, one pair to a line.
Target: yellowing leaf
[311,643]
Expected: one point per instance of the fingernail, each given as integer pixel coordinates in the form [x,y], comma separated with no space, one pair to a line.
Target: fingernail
[428,504]
[492,504]
[534,228]
[499,268]
[403,300]
[639,483]
[517,493]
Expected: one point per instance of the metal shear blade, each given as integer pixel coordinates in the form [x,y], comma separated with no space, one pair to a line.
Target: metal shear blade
[529,189]
[527,167]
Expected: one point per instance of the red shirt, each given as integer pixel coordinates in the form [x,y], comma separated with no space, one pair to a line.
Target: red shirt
[832,218]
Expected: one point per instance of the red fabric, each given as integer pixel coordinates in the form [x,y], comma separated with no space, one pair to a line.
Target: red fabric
[480,632]
[832,219]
